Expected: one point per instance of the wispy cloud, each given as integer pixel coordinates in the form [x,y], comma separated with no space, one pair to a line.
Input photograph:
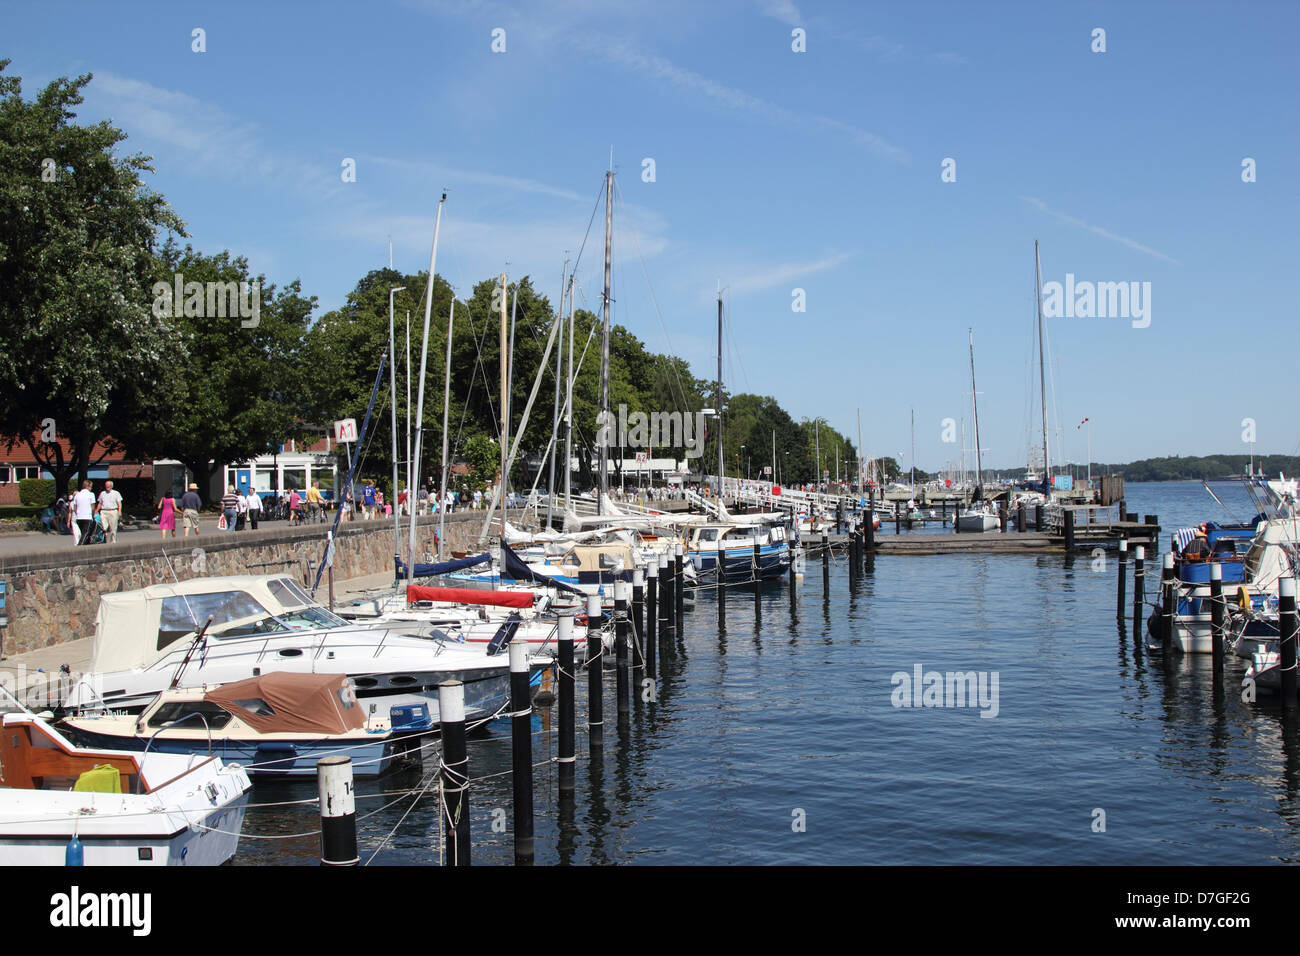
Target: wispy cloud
[449,175]
[780,274]
[1098,230]
[783,10]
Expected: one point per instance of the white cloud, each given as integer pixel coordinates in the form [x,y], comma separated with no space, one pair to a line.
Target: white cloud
[1104,233]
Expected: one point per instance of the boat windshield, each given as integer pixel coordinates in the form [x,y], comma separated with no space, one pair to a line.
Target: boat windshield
[185,613]
[310,618]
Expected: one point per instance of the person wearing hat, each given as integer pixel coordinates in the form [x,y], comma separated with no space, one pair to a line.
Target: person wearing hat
[1198,549]
[191,504]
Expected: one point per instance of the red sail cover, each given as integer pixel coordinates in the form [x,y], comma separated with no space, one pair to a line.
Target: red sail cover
[420,592]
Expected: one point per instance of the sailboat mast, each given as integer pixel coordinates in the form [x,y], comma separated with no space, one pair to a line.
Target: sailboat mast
[446,408]
[505,401]
[555,417]
[979,470]
[718,394]
[424,361]
[914,452]
[604,350]
[568,409]
[1042,380]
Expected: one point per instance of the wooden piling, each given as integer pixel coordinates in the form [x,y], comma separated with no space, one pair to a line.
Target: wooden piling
[1286,634]
[1120,607]
[1216,619]
[1020,517]
[568,705]
[1168,594]
[826,564]
[622,677]
[679,587]
[338,812]
[595,675]
[1038,519]
[1068,516]
[521,750]
[1139,592]
[455,773]
[651,618]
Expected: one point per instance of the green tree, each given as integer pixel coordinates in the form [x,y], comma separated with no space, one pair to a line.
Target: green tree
[78,230]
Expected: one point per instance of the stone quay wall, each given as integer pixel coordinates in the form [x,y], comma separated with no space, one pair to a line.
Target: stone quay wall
[53,596]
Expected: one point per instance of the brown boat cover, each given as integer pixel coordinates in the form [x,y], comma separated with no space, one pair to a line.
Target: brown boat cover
[285,703]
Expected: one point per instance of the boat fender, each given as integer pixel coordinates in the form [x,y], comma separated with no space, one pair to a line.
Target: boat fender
[1243,598]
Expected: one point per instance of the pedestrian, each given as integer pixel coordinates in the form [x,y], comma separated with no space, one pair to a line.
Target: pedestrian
[254,502]
[295,507]
[368,500]
[423,499]
[167,514]
[230,507]
[402,497]
[109,507]
[241,509]
[478,499]
[83,506]
[191,505]
[314,502]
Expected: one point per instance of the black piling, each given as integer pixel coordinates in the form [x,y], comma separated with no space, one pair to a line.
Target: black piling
[1139,592]
[1216,622]
[1020,517]
[826,565]
[679,589]
[652,618]
[1068,516]
[638,628]
[898,521]
[455,773]
[1168,594]
[1038,518]
[622,675]
[595,675]
[338,812]
[568,707]
[1121,607]
[521,751]
[1287,627]
[722,586]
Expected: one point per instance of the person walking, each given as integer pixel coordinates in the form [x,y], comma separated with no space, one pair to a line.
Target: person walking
[167,514]
[368,500]
[109,507]
[83,509]
[314,502]
[254,503]
[295,507]
[423,501]
[230,507]
[191,505]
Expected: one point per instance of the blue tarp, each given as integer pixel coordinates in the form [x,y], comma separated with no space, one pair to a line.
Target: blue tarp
[516,569]
[443,567]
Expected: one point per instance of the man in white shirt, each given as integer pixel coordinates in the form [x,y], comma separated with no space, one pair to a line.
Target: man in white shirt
[83,512]
[110,510]
[253,504]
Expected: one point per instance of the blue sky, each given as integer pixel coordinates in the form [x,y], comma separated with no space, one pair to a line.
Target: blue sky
[775,170]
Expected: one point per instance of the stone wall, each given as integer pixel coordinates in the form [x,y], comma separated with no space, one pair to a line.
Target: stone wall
[54,595]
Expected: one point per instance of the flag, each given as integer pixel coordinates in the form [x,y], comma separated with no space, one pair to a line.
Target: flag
[1081,424]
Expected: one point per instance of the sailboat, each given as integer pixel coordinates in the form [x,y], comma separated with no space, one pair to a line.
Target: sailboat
[980,516]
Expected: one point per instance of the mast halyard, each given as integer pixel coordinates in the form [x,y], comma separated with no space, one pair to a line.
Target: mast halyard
[979,470]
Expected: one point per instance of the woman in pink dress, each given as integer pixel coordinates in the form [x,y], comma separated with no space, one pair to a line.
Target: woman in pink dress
[167,515]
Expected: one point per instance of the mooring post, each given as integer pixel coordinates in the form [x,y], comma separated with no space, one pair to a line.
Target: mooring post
[1286,640]
[595,675]
[1216,621]
[721,571]
[1139,592]
[455,772]
[638,628]
[869,529]
[1168,592]
[758,559]
[622,624]
[1068,516]
[897,520]
[521,750]
[1004,515]
[826,564]
[1120,606]
[338,812]
[652,617]
[568,705]
[1020,517]
[1038,518]
[679,588]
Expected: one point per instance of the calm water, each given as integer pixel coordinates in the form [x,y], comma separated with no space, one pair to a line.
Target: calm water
[790,710]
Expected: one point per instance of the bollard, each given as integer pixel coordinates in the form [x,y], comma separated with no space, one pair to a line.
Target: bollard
[839,516]
[1286,640]
[1038,518]
[622,624]
[651,618]
[1020,517]
[826,564]
[595,675]
[1120,609]
[338,812]
[1216,620]
[455,772]
[1139,593]
[679,587]
[638,627]
[1168,594]
[521,750]
[567,745]
[758,560]
[1068,517]
[869,530]
[720,572]
[897,519]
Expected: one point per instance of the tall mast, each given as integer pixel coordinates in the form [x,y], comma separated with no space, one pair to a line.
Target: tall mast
[604,349]
[510,375]
[424,362]
[505,406]
[568,408]
[410,491]
[555,418]
[914,452]
[861,491]
[392,383]
[446,406]
[718,392]
[1042,380]
[979,471]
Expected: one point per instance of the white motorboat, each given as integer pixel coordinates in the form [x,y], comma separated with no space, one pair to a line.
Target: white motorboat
[222,629]
[60,803]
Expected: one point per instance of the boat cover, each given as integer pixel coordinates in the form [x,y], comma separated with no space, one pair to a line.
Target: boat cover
[282,702]
[418,592]
[516,568]
[443,567]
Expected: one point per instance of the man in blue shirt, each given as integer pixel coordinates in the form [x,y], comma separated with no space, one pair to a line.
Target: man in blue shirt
[368,499]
